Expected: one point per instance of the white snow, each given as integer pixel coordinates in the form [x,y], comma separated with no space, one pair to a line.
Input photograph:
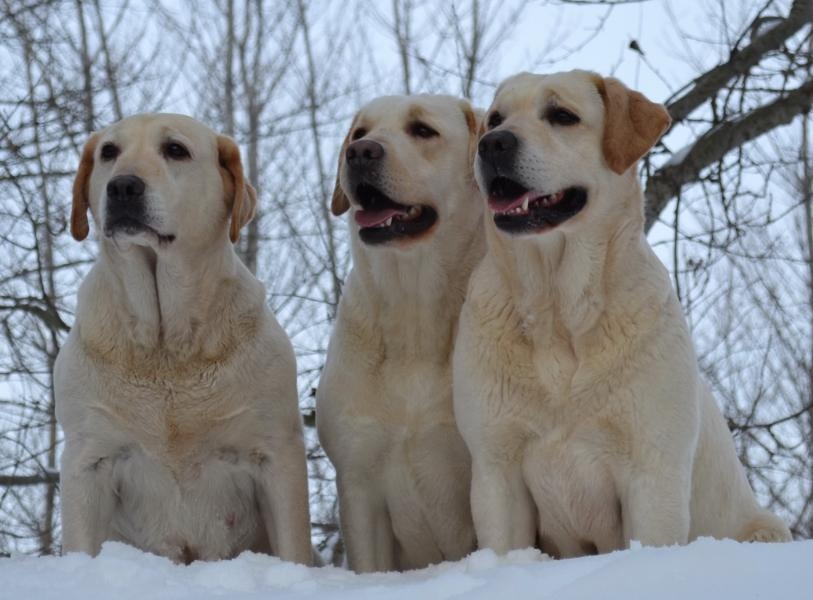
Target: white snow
[706,569]
[679,156]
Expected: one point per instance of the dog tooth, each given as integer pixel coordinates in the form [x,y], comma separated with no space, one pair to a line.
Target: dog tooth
[525,203]
[388,222]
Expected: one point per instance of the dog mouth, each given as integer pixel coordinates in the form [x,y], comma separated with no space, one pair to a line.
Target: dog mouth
[126,225]
[517,209]
[381,219]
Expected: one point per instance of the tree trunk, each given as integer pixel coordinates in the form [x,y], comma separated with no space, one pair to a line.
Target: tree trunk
[313,119]
[807,202]
[401,26]
[87,77]
[47,287]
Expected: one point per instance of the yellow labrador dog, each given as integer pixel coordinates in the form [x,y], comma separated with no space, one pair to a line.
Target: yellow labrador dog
[576,387]
[176,388]
[384,413]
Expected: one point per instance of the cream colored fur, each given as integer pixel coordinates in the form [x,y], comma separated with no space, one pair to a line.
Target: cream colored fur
[384,402]
[176,388]
[576,386]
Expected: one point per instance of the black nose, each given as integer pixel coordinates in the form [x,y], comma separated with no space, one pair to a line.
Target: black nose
[498,148]
[364,153]
[126,188]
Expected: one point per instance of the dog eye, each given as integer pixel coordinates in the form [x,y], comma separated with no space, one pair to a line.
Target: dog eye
[176,151]
[358,133]
[421,130]
[494,120]
[109,151]
[561,116]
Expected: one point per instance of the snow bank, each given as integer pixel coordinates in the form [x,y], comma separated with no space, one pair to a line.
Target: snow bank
[706,569]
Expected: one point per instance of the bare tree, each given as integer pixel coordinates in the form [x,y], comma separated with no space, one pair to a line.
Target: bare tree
[728,128]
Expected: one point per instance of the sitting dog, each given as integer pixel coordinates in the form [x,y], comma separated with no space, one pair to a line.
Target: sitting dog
[576,386]
[176,388]
[384,402]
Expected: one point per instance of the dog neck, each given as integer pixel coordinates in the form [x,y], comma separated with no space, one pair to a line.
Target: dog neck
[563,281]
[412,297]
[173,302]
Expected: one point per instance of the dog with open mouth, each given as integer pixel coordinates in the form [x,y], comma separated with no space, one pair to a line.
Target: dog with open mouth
[576,386]
[176,387]
[384,401]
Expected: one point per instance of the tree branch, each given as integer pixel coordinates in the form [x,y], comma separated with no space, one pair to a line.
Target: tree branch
[733,426]
[667,181]
[50,317]
[711,82]
[45,477]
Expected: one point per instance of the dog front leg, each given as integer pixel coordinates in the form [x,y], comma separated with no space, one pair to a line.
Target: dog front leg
[366,528]
[503,509]
[88,498]
[284,501]
[656,510]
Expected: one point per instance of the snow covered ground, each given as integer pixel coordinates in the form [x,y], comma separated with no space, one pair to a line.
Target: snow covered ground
[706,569]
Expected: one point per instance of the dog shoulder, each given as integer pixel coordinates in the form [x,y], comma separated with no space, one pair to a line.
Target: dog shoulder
[70,385]
[270,354]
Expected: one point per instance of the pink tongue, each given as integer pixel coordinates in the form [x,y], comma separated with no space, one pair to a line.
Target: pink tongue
[371,218]
[506,204]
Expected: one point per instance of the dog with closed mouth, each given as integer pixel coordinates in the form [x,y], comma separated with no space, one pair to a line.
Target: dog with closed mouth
[384,401]
[176,387]
[576,386]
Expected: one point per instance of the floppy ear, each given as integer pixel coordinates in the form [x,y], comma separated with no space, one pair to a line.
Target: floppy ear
[81,200]
[339,204]
[474,122]
[240,196]
[632,124]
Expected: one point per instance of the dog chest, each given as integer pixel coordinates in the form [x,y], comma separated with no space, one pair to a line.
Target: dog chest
[383,409]
[395,390]
[172,415]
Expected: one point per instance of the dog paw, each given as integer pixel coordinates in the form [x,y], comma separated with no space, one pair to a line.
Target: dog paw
[766,529]
[768,535]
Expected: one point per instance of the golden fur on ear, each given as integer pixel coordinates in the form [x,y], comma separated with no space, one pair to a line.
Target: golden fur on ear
[339,203]
[474,121]
[240,196]
[632,123]
[81,194]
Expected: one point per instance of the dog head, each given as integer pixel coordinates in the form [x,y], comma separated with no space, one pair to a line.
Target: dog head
[405,169]
[556,146]
[161,179]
